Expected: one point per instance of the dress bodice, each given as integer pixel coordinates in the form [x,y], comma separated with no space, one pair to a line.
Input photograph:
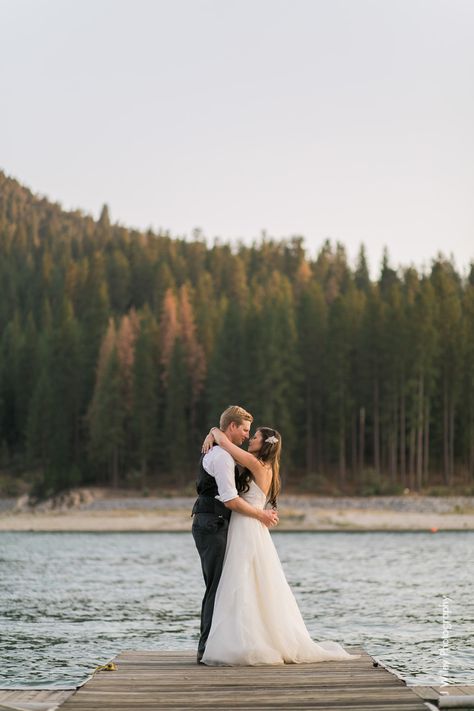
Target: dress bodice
[254,495]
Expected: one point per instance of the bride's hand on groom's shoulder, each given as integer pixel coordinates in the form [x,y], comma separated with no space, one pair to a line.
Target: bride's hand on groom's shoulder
[208,443]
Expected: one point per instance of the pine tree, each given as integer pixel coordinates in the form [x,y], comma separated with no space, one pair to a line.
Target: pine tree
[169,330]
[423,348]
[176,417]
[272,355]
[93,308]
[361,276]
[373,338]
[39,427]
[338,374]
[146,392]
[312,332]
[356,375]
[107,420]
[449,327]
[118,281]
[194,355]
[467,416]
[227,373]
[27,372]
[10,354]
[65,361]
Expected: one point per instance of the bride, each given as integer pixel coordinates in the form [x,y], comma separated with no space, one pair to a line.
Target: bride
[256,619]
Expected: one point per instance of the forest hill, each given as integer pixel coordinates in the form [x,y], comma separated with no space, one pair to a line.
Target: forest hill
[119,348]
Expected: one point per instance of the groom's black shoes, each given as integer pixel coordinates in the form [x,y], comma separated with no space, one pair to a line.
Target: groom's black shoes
[199,657]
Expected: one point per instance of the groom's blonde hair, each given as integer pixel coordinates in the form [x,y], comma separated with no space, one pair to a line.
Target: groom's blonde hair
[236,414]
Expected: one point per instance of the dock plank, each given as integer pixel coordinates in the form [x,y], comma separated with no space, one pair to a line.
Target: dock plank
[149,680]
[33,699]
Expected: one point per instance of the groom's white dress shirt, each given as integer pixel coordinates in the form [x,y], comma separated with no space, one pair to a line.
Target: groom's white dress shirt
[219,464]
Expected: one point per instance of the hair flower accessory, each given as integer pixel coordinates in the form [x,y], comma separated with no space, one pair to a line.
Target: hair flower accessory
[272,439]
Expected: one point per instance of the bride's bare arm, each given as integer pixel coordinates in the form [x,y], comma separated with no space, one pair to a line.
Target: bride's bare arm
[239,455]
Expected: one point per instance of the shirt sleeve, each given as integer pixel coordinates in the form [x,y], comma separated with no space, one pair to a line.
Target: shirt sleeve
[219,464]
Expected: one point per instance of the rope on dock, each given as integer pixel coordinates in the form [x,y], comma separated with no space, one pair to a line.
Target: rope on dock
[106,667]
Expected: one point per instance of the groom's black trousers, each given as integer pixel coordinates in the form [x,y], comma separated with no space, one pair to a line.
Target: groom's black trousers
[210,535]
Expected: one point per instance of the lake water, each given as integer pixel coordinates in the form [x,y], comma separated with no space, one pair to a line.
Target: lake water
[71,601]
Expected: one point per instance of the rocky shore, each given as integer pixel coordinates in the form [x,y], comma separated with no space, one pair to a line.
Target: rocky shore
[97,510]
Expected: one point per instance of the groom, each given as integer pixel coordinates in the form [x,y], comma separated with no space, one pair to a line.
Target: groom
[217,498]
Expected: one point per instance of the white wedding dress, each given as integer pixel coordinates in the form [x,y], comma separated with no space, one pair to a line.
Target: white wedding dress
[256,619]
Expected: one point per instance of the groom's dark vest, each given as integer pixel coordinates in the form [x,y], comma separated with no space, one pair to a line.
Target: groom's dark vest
[206,487]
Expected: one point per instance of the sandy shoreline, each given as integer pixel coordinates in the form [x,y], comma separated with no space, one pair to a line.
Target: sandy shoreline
[297,513]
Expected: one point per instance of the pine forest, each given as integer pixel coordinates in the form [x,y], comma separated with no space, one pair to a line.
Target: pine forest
[120,348]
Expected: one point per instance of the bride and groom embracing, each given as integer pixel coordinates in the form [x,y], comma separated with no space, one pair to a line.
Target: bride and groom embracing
[249,615]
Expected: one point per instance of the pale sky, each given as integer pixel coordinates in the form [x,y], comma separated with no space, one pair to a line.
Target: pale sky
[351,120]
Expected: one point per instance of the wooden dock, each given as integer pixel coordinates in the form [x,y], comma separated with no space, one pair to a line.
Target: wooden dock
[172,680]
[147,681]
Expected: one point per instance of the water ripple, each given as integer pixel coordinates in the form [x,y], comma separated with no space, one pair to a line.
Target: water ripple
[71,601]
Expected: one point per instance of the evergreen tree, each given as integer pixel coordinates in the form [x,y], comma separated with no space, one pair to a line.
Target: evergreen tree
[146,392]
[312,332]
[65,361]
[107,420]
[176,453]
[368,381]
[27,372]
[449,327]
[39,428]
[361,276]
[467,416]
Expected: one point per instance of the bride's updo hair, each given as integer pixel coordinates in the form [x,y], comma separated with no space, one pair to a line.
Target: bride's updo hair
[269,452]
